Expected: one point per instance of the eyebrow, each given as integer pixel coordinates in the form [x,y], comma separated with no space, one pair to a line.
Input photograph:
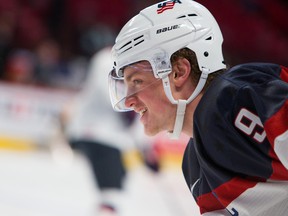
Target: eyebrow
[135,72]
[129,77]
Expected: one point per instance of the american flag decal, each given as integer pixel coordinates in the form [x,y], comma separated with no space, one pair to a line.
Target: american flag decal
[165,6]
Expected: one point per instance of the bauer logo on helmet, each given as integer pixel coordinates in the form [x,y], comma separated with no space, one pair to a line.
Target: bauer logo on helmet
[167,29]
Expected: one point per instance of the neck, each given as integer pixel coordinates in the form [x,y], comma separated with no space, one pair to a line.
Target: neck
[188,121]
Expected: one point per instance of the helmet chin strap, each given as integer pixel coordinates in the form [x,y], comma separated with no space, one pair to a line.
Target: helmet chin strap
[181,104]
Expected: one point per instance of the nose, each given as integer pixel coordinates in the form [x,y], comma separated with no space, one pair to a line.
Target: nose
[130,101]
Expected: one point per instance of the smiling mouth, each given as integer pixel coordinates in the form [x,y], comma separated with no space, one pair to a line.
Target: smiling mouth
[142,111]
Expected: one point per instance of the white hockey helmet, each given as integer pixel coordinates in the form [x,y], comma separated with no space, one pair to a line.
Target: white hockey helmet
[155,34]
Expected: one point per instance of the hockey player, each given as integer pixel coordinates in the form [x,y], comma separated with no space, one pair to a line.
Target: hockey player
[169,68]
[90,120]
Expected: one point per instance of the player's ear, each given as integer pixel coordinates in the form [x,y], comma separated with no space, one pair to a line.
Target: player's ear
[181,71]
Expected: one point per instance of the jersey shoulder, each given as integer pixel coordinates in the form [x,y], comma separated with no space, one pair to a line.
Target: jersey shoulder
[252,73]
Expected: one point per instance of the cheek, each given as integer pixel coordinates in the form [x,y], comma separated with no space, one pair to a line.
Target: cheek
[157,102]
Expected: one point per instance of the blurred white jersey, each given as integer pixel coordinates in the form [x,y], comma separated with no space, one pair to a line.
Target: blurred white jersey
[91,115]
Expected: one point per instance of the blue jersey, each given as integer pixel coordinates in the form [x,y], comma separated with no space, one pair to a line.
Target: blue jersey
[237,161]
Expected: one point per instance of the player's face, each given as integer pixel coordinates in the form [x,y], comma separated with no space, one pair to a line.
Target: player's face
[147,97]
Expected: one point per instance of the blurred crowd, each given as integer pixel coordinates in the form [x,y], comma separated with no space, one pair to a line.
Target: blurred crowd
[49,42]
[253,30]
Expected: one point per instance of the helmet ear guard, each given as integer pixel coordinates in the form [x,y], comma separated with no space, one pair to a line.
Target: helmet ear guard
[161,65]
[162,29]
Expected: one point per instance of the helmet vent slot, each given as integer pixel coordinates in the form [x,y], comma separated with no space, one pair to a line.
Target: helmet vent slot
[127,49]
[141,36]
[188,15]
[125,45]
[209,38]
[181,16]
[129,45]
[138,40]
[192,15]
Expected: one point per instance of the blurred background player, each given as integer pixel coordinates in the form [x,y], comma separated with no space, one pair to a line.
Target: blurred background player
[94,129]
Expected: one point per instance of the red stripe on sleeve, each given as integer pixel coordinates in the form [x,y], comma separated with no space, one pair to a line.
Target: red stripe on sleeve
[225,194]
[274,127]
[233,189]
[279,171]
[284,74]
[208,202]
[277,124]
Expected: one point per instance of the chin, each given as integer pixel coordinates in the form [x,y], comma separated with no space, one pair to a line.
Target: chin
[150,132]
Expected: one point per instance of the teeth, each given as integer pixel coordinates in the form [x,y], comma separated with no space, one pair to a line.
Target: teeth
[142,111]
